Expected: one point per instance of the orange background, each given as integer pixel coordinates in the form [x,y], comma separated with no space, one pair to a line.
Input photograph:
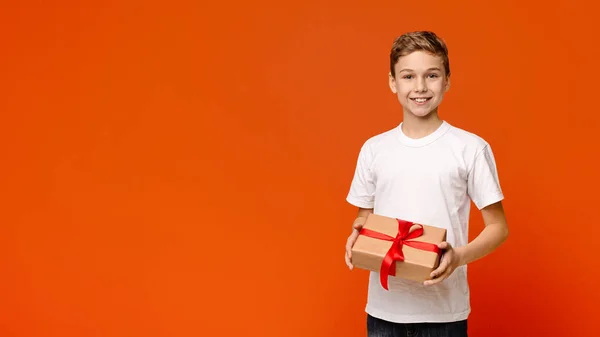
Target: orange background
[180,169]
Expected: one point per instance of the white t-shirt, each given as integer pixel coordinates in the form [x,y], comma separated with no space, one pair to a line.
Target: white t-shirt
[430,180]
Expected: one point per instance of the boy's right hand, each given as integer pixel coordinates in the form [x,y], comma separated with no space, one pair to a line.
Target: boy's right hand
[350,242]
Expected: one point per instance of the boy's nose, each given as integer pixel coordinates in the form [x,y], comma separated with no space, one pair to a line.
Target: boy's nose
[420,86]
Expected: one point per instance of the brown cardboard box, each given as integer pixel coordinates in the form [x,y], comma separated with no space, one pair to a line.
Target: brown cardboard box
[368,253]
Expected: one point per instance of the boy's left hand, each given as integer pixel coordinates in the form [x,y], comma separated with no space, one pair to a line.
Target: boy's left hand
[450,261]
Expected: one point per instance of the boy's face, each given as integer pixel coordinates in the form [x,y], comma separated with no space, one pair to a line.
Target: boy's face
[420,82]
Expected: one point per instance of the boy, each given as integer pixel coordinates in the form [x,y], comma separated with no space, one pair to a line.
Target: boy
[426,171]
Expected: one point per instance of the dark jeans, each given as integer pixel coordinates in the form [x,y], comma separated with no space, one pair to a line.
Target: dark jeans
[380,328]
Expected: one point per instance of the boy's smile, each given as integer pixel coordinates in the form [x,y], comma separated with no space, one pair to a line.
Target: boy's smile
[420,100]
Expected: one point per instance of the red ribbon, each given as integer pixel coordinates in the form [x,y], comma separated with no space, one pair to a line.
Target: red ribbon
[388,266]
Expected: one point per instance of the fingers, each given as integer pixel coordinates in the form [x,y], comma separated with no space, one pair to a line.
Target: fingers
[349,261]
[439,279]
[441,268]
[349,244]
[444,246]
[446,258]
[349,254]
[351,239]
[444,269]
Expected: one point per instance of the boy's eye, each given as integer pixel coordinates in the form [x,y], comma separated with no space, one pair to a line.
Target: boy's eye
[408,77]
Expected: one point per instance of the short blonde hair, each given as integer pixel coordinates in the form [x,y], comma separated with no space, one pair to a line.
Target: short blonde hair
[418,41]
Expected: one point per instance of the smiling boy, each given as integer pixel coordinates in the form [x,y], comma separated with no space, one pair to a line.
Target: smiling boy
[427,171]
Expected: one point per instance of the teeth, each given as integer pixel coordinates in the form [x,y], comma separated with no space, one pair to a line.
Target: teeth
[420,100]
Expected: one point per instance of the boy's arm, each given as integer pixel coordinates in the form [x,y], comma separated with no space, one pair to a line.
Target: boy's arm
[490,238]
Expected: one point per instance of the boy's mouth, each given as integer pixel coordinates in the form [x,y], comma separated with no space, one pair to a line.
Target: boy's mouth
[420,100]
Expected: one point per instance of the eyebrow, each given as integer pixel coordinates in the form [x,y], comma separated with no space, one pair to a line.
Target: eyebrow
[434,68]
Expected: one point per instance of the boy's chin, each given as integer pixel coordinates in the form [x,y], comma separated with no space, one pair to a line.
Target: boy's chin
[421,113]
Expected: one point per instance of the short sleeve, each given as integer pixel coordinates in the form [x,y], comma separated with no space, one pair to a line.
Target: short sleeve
[362,188]
[483,183]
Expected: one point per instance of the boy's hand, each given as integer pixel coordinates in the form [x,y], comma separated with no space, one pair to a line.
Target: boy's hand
[350,242]
[451,259]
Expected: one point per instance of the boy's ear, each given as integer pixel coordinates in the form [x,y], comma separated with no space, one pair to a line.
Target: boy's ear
[447,84]
[392,82]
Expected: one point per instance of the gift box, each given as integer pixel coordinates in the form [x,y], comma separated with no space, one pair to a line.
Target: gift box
[398,248]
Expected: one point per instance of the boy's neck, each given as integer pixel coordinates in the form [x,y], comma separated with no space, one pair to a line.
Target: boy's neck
[419,127]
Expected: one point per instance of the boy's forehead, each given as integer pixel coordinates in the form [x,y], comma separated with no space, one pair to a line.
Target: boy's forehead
[420,60]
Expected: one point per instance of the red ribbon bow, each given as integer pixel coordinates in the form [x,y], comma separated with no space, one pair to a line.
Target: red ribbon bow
[388,266]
